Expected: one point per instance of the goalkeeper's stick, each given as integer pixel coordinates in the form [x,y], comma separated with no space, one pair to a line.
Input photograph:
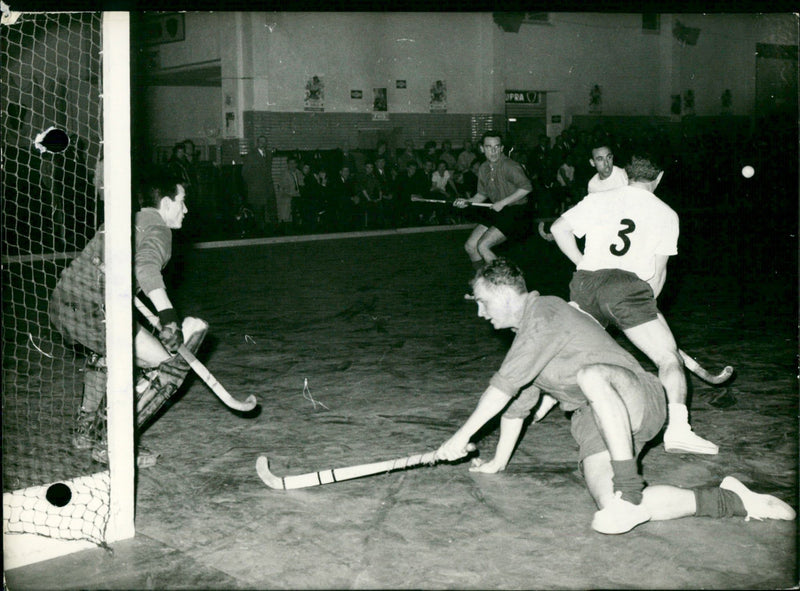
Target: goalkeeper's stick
[200,369]
[702,373]
[422,200]
[338,474]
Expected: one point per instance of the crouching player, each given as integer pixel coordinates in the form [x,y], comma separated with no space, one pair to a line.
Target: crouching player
[77,310]
[616,407]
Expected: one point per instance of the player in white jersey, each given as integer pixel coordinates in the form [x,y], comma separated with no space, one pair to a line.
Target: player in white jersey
[630,235]
[608,176]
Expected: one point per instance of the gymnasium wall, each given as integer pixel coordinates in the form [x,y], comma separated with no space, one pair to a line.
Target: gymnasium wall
[268,58]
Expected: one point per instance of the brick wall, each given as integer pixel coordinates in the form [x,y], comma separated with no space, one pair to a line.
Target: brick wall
[327,131]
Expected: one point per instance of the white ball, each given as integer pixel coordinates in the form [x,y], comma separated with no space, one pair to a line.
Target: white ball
[748,171]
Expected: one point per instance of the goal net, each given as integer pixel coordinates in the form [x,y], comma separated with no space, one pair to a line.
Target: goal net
[52,206]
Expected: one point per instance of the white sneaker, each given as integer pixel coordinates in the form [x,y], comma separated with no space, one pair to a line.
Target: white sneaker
[681,439]
[758,506]
[619,516]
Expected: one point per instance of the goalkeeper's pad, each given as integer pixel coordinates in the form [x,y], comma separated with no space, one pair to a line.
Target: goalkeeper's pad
[160,384]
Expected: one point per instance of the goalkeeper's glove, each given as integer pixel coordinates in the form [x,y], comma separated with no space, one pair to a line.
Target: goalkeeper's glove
[170,334]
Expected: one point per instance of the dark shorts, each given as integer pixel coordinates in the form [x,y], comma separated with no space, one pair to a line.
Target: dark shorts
[513,221]
[613,296]
[79,320]
[647,413]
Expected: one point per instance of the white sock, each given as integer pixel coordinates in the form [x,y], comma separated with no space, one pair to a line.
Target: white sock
[678,414]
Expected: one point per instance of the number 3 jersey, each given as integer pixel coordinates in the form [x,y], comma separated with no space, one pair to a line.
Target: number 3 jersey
[625,228]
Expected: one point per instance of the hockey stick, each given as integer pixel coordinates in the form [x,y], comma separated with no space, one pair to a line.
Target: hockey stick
[421,200]
[546,235]
[200,369]
[704,374]
[340,474]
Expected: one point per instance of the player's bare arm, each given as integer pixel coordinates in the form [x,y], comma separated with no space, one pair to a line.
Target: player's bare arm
[462,203]
[658,279]
[492,402]
[513,198]
[565,239]
[160,299]
[510,429]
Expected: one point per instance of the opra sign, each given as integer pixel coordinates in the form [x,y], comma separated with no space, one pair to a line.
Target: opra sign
[530,97]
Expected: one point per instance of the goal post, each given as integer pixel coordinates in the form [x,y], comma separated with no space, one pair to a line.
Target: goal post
[118,257]
[68,72]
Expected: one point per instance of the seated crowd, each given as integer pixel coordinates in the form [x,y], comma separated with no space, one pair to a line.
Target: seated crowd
[350,190]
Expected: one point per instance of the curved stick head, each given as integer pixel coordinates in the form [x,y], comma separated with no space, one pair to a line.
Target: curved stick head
[245,405]
[272,481]
[723,376]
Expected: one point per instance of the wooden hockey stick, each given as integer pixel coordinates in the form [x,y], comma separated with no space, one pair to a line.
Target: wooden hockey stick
[702,373]
[421,200]
[339,474]
[200,369]
[546,235]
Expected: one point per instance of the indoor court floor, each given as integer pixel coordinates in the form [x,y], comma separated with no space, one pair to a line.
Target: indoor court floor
[363,349]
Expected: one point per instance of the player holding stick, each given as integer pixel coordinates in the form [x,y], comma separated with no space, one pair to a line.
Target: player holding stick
[502,181]
[608,177]
[77,310]
[630,235]
[616,408]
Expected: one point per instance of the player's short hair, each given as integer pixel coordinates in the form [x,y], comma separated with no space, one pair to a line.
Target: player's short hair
[492,133]
[154,189]
[642,168]
[499,272]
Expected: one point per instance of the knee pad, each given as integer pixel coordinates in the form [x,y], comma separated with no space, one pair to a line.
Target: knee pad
[95,379]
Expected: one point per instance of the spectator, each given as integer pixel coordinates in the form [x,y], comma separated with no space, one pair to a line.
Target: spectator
[307,204]
[406,156]
[191,164]
[326,202]
[257,176]
[447,155]
[288,190]
[177,165]
[469,180]
[412,184]
[442,185]
[467,156]
[345,157]
[369,190]
[387,179]
[348,207]
[382,151]
[430,152]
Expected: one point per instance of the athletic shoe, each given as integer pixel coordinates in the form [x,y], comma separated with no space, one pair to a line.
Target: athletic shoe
[85,434]
[619,516]
[681,439]
[758,506]
[144,457]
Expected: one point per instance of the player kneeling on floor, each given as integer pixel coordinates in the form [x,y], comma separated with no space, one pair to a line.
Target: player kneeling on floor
[616,406]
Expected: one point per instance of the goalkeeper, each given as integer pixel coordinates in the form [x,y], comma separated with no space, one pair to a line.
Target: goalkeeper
[77,310]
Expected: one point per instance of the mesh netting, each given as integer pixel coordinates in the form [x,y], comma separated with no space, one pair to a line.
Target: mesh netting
[51,142]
